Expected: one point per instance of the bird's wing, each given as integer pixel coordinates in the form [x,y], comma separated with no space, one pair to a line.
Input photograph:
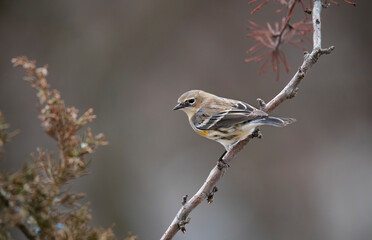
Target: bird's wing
[238,112]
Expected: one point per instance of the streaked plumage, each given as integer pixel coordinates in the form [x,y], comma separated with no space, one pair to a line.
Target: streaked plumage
[224,120]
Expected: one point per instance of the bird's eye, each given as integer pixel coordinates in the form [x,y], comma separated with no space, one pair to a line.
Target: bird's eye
[191,101]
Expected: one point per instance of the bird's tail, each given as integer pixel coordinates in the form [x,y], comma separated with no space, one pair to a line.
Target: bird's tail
[274,121]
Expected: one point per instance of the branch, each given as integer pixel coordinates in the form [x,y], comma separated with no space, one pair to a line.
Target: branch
[285,25]
[288,92]
[26,228]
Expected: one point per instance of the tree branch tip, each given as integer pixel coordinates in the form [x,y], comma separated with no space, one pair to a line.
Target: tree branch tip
[261,103]
[221,164]
[211,195]
[327,50]
[182,223]
[306,54]
[184,199]
[301,73]
[308,11]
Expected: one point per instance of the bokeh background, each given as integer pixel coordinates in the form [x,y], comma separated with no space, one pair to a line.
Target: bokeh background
[130,61]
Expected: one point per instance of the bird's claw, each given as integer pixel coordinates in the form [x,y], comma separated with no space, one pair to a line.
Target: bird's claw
[221,164]
[256,134]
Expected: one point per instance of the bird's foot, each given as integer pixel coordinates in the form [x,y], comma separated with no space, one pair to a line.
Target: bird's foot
[256,134]
[221,163]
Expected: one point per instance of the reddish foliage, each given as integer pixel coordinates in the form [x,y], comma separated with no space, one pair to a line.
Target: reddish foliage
[270,39]
[286,3]
[336,3]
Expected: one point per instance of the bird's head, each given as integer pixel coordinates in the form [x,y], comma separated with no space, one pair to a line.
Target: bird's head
[190,101]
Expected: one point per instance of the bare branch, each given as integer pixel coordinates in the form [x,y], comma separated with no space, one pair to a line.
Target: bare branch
[317,9]
[202,194]
[288,92]
[184,199]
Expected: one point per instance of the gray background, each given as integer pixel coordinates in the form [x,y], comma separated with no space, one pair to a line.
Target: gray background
[130,61]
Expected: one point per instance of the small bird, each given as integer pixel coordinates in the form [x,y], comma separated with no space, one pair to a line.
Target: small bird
[224,120]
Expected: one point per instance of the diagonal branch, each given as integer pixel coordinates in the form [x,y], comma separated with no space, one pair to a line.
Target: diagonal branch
[288,92]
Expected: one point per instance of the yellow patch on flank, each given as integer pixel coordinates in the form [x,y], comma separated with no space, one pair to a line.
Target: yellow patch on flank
[203,133]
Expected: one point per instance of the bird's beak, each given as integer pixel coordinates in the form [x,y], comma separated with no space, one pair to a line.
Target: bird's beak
[178,106]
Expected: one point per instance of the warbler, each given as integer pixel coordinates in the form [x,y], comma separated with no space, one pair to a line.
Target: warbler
[224,120]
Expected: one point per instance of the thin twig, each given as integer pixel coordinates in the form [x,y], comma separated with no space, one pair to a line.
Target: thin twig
[289,91]
[285,25]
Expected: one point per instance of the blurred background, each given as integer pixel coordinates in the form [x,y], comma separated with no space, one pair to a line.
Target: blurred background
[130,61]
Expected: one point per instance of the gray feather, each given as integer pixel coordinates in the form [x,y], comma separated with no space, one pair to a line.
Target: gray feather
[274,121]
